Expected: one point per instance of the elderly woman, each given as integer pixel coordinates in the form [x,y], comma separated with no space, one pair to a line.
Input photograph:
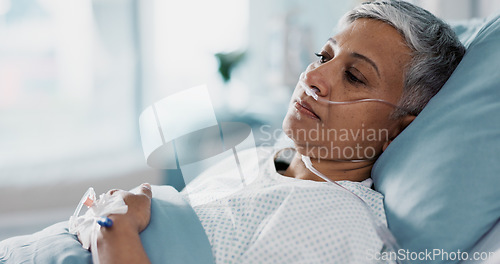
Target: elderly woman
[392,54]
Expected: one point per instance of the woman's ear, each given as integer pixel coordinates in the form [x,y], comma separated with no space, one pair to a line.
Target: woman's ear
[405,121]
[386,144]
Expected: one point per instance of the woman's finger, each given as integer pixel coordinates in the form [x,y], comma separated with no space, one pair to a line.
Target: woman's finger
[112,191]
[145,188]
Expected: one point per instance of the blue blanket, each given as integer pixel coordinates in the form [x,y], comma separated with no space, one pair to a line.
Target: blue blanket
[174,235]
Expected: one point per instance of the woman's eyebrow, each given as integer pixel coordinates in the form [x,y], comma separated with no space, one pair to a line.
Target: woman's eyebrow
[358,56]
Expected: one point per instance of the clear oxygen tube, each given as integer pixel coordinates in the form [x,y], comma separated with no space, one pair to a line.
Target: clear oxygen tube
[383,232]
[310,92]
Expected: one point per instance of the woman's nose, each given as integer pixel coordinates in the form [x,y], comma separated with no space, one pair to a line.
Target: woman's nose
[317,80]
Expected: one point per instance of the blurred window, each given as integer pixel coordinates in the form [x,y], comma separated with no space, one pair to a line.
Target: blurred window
[67,74]
[185,36]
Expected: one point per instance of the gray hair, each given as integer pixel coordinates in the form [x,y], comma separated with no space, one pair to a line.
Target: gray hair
[436,48]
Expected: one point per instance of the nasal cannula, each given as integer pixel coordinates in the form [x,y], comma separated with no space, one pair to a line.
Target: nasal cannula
[309,91]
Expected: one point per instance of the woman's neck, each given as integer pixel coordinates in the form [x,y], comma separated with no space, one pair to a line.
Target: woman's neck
[334,170]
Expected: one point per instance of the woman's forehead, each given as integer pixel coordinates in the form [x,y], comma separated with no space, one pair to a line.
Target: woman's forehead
[377,43]
[371,37]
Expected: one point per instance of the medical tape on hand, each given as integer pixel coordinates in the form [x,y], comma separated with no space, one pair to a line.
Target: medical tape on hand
[87,226]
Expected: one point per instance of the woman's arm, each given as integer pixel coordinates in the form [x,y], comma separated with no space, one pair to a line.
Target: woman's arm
[116,245]
[121,243]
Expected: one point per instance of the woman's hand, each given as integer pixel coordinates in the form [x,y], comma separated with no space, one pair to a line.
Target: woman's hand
[121,243]
[139,209]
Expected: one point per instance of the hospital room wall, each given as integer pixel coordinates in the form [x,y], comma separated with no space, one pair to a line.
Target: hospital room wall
[460,9]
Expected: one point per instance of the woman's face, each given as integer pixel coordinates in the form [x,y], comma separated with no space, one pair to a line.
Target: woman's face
[366,60]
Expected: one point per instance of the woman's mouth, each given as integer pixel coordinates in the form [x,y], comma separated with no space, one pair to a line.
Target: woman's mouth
[305,109]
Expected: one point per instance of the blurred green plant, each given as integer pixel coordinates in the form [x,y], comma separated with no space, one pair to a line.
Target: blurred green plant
[227,62]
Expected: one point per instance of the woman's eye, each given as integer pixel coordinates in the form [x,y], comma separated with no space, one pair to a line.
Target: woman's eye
[322,58]
[352,78]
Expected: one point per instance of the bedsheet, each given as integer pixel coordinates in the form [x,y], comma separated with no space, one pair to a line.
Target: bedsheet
[174,235]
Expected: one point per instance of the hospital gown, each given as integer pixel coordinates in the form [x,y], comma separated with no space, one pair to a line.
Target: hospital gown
[279,219]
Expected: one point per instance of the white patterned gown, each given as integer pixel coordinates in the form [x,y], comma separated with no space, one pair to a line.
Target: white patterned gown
[279,219]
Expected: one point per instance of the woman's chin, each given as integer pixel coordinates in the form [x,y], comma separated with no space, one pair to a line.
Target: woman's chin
[296,120]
